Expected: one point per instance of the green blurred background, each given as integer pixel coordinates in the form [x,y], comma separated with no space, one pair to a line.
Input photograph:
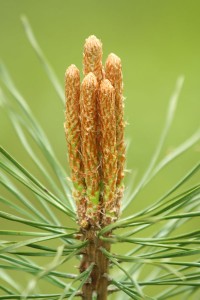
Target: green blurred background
[157,42]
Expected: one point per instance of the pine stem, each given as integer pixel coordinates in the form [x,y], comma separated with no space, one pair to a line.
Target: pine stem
[98,281]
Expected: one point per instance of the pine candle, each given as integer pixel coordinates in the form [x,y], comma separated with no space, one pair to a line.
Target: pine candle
[94,129]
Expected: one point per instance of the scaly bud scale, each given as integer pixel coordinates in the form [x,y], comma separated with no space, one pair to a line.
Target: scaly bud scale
[113,71]
[108,148]
[92,57]
[72,131]
[88,116]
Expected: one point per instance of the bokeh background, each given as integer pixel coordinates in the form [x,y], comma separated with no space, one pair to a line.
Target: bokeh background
[157,41]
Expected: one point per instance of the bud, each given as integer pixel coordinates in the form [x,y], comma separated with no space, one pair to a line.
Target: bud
[72,132]
[113,71]
[88,117]
[92,57]
[108,149]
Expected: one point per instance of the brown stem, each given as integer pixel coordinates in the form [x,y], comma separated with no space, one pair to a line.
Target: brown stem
[98,281]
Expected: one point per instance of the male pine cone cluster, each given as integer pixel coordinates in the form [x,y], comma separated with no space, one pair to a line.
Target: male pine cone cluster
[94,128]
